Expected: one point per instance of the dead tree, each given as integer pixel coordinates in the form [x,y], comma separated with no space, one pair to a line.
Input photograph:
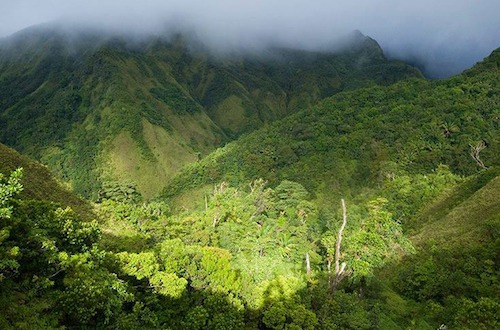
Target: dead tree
[474,152]
[308,264]
[340,269]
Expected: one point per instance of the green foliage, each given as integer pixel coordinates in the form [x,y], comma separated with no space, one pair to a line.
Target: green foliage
[370,240]
[133,227]
[125,192]
[91,295]
[283,307]
[454,268]
[240,262]
[290,194]
[176,100]
[365,138]
[344,311]
[417,191]
[9,187]
[39,184]
[53,265]
[482,314]
[378,239]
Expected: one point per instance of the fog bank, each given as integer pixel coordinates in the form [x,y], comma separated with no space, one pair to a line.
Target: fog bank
[444,37]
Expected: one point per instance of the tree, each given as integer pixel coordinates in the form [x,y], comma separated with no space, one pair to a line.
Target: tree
[475,150]
[91,295]
[9,187]
[333,252]
[283,307]
[377,238]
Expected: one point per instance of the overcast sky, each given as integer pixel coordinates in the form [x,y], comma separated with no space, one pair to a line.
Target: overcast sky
[446,36]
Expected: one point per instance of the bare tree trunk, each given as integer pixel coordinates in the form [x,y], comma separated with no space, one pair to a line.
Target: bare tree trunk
[308,264]
[339,238]
[329,267]
[340,272]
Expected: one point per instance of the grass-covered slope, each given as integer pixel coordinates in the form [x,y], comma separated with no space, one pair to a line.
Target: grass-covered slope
[471,213]
[452,279]
[359,138]
[39,184]
[97,109]
[90,117]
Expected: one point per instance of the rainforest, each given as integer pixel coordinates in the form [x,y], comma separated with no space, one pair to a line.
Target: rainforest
[153,184]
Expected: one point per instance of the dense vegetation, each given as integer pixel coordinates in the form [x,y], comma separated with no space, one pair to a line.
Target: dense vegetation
[138,111]
[375,209]
[241,262]
[356,139]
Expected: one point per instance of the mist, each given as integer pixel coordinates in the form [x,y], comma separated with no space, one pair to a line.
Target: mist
[441,37]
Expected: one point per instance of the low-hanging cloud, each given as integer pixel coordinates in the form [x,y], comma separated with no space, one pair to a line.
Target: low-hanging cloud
[443,36]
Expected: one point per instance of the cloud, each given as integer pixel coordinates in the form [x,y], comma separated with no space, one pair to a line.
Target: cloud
[444,36]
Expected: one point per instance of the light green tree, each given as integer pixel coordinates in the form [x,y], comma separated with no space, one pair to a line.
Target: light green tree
[373,241]
[9,188]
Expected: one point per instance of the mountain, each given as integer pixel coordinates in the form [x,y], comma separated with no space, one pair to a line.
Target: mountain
[99,108]
[357,139]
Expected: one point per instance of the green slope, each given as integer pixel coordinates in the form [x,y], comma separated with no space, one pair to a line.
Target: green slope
[98,109]
[39,184]
[471,213]
[357,139]
[452,278]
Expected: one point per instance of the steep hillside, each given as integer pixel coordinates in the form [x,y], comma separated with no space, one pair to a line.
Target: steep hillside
[470,213]
[455,267]
[360,138]
[98,109]
[39,184]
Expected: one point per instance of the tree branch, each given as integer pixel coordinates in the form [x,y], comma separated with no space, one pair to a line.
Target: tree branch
[474,152]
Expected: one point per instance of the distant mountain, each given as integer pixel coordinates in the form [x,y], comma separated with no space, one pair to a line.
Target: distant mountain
[100,108]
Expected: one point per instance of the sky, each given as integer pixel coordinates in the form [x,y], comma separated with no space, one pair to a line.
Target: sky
[442,36]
